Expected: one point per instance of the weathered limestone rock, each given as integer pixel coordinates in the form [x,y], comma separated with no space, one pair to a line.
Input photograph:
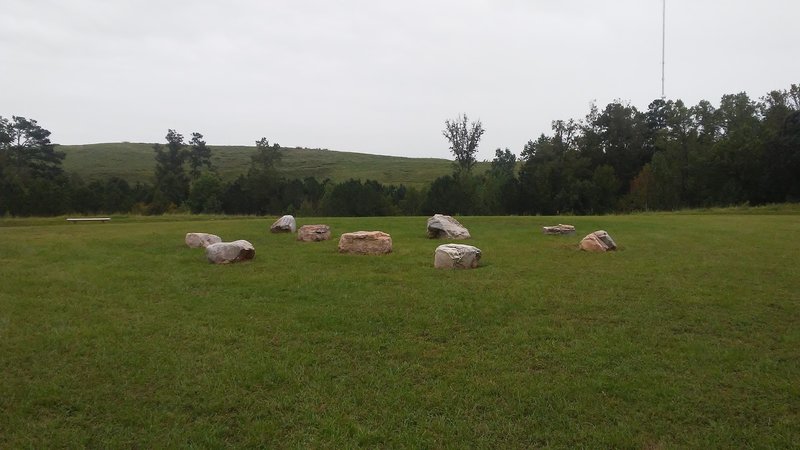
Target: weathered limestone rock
[230,252]
[365,243]
[201,240]
[559,229]
[441,226]
[599,241]
[456,256]
[285,224]
[314,233]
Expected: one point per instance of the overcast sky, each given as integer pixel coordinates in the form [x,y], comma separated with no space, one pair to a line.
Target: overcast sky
[373,76]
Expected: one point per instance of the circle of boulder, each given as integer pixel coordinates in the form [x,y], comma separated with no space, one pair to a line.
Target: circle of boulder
[230,252]
[286,224]
[201,240]
[456,256]
[598,241]
[365,243]
[442,226]
[314,233]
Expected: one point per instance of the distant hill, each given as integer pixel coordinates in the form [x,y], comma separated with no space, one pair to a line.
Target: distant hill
[134,162]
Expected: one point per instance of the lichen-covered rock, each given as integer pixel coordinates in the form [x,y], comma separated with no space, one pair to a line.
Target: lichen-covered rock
[598,241]
[201,240]
[314,233]
[230,252]
[285,224]
[559,229]
[365,243]
[441,226]
[456,256]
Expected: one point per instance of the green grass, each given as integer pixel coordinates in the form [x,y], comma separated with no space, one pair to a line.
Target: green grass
[117,335]
[134,162]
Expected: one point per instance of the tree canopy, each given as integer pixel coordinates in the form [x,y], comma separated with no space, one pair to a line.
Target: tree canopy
[26,150]
[464,139]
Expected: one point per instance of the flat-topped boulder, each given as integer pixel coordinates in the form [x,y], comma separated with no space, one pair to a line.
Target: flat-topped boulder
[559,229]
[456,256]
[446,227]
[365,243]
[314,233]
[201,240]
[230,252]
[598,241]
[285,224]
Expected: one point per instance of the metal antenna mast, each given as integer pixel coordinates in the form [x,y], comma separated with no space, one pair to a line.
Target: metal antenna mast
[663,43]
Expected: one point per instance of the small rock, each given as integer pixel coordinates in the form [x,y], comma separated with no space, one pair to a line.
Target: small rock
[285,224]
[230,252]
[456,256]
[314,233]
[559,229]
[365,243]
[441,226]
[201,240]
[599,241]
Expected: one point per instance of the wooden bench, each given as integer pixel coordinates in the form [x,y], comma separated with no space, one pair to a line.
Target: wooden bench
[88,219]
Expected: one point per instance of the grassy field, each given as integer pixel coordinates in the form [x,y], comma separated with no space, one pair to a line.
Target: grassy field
[134,162]
[117,335]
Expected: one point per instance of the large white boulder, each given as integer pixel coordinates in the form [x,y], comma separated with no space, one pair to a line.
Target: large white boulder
[456,256]
[598,241]
[230,252]
[285,224]
[365,243]
[201,240]
[441,226]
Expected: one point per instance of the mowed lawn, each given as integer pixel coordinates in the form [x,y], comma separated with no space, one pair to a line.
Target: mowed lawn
[118,335]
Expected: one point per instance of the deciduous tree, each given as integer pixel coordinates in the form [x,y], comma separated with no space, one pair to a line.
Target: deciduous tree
[464,139]
[263,181]
[26,150]
[172,183]
[199,156]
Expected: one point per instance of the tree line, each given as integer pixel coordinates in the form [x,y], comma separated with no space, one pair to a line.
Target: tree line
[615,159]
[621,159]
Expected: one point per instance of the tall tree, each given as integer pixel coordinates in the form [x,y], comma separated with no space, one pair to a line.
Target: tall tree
[504,163]
[738,154]
[672,138]
[781,112]
[500,190]
[706,127]
[556,174]
[172,183]
[266,156]
[263,181]
[622,129]
[464,139]
[31,177]
[199,156]
[540,176]
[26,150]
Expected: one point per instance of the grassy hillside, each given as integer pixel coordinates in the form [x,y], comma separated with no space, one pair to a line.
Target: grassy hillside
[134,162]
[119,336]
